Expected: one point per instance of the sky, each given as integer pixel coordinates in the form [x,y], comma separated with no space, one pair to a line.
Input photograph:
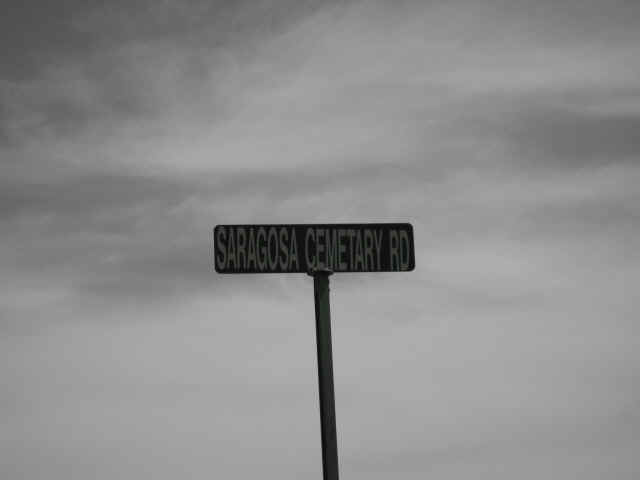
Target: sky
[506,132]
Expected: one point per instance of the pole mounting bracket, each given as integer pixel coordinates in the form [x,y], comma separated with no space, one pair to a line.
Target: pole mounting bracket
[312,272]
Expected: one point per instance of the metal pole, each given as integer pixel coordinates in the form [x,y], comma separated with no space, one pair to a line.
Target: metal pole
[325,375]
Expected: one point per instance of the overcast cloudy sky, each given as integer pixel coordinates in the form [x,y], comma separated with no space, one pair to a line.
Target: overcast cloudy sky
[506,132]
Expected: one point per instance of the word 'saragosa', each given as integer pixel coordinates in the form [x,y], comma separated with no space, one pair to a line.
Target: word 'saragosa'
[373,247]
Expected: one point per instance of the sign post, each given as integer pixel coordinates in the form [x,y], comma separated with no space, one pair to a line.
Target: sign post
[318,250]
[325,375]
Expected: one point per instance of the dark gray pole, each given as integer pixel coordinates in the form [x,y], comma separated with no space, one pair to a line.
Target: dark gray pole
[325,375]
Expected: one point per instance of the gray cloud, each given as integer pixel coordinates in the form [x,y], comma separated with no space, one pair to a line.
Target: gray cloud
[90,194]
[41,33]
[575,139]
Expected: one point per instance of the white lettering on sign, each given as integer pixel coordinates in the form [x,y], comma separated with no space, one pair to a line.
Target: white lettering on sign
[272,248]
[275,248]
[221,254]
[247,249]
[261,244]
[320,247]
[378,238]
[399,250]
[331,248]
[293,252]
[284,250]
[231,250]
[404,250]
[311,261]
[240,246]
[368,249]
[351,233]
[251,250]
[342,249]
[394,256]
[359,260]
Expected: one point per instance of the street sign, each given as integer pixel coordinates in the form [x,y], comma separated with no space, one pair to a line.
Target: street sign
[319,250]
[304,248]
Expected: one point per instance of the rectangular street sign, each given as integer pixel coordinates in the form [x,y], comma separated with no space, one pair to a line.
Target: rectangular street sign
[302,248]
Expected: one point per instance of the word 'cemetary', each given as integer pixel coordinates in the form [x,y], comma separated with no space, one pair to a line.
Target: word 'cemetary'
[348,247]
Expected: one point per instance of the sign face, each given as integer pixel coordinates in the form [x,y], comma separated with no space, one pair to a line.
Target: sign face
[302,248]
